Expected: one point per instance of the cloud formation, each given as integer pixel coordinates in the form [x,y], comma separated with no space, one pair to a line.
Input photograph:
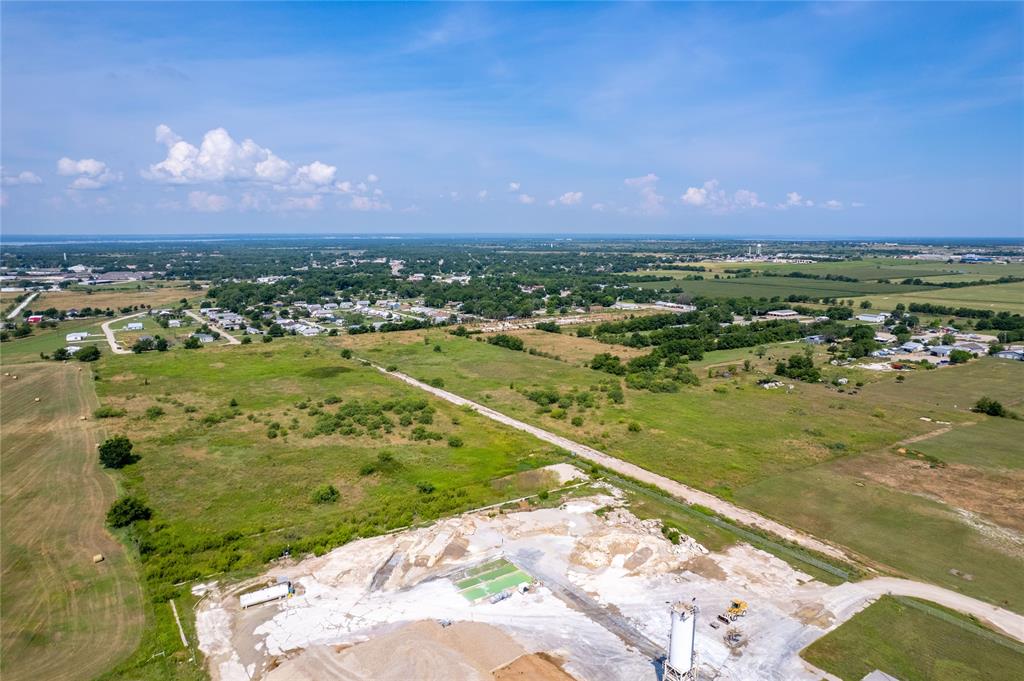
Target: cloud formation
[513,186]
[711,196]
[24,177]
[526,199]
[570,198]
[652,203]
[88,173]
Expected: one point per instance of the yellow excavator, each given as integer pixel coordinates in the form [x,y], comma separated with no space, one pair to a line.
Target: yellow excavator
[737,609]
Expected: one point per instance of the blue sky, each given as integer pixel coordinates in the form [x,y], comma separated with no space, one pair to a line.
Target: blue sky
[879,119]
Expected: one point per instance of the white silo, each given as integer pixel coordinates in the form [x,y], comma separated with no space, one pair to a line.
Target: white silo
[679,664]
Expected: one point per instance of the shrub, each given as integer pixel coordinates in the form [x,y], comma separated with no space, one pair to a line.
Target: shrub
[126,511]
[544,494]
[108,412]
[116,452]
[154,412]
[959,357]
[503,340]
[346,354]
[192,343]
[425,487]
[246,340]
[454,442]
[577,421]
[634,427]
[326,494]
[986,405]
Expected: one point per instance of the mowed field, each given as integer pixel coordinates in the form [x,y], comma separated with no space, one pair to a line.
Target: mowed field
[996,297]
[770,287]
[801,456]
[64,617]
[915,641]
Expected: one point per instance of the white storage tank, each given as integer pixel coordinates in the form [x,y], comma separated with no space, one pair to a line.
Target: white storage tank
[679,664]
[271,593]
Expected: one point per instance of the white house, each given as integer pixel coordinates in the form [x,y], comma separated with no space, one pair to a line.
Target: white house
[782,314]
[133,326]
[174,323]
[72,349]
[76,336]
[873,318]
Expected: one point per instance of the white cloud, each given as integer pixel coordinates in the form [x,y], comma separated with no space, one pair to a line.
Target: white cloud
[205,202]
[570,198]
[744,198]
[24,177]
[220,158]
[652,202]
[316,176]
[856,204]
[88,173]
[711,196]
[526,199]
[482,195]
[371,178]
[366,204]
[345,187]
[513,186]
[795,200]
[832,204]
[599,207]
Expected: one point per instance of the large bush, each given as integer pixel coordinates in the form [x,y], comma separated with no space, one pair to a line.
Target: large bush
[126,511]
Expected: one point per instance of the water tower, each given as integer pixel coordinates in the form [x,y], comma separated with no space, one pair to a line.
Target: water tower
[680,663]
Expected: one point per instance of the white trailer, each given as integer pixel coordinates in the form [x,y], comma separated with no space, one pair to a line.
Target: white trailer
[270,593]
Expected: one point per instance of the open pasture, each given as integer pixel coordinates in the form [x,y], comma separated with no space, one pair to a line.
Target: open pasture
[65,617]
[232,485]
[46,340]
[996,297]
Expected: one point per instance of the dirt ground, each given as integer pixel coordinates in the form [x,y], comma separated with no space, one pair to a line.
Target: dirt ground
[64,617]
[990,494]
[537,667]
[596,610]
[568,347]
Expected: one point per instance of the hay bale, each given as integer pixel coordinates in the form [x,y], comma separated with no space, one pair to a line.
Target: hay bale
[37,399]
[98,558]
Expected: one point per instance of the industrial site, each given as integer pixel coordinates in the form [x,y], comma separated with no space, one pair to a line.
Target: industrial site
[584,590]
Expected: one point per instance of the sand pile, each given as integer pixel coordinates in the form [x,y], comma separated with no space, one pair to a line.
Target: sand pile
[425,651]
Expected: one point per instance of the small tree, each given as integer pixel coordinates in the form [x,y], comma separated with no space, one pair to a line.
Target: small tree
[126,511]
[959,357]
[192,343]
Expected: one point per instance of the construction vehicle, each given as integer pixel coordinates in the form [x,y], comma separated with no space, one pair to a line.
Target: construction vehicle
[723,619]
[737,609]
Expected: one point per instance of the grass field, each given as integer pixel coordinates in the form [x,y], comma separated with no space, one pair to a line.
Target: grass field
[991,443]
[64,617]
[770,287]
[794,456]
[997,297]
[912,642]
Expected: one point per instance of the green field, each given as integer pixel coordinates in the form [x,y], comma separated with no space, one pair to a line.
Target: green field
[790,455]
[770,287]
[997,297]
[20,350]
[915,641]
[64,616]
[992,443]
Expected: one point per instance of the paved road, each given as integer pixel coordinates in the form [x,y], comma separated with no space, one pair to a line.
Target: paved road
[1008,622]
[21,307]
[114,346]
[676,489]
[227,336]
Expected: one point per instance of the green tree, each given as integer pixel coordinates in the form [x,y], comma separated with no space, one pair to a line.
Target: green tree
[986,405]
[959,357]
[192,343]
[116,452]
[89,353]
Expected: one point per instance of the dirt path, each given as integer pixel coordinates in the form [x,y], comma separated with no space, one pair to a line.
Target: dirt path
[65,617]
[676,489]
[14,313]
[928,436]
[1010,623]
[115,347]
[230,339]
